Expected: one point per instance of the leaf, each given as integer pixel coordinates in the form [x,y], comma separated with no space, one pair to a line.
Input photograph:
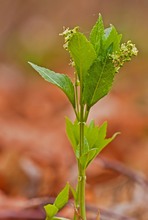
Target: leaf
[101,74]
[96,34]
[72,131]
[82,53]
[99,81]
[103,143]
[102,131]
[87,157]
[91,134]
[102,38]
[111,37]
[51,210]
[97,145]
[60,80]
[60,201]
[62,198]
[73,191]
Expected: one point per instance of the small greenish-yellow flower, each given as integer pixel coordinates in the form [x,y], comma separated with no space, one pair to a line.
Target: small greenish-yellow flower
[127,50]
[68,33]
[72,63]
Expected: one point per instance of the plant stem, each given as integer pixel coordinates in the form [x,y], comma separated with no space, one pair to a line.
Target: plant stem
[82,177]
[76,97]
[81,187]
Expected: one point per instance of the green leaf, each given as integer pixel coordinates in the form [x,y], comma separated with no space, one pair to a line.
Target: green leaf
[95,145]
[51,210]
[111,37]
[101,74]
[86,158]
[73,191]
[62,198]
[96,34]
[60,80]
[102,131]
[102,141]
[91,134]
[82,53]
[72,130]
[105,142]
[102,39]
[60,201]
[99,81]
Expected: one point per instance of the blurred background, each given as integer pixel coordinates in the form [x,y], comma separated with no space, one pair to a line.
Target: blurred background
[36,159]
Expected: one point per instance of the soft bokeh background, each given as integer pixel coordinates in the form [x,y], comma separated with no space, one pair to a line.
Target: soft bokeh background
[35,156]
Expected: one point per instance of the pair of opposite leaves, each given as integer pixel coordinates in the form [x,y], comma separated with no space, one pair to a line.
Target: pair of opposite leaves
[93,66]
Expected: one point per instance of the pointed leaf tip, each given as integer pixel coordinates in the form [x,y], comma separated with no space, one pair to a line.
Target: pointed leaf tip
[96,34]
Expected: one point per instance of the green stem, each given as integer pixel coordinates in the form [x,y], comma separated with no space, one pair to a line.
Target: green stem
[81,117]
[81,187]
[76,98]
[82,177]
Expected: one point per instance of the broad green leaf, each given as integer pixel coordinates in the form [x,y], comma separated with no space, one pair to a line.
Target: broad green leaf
[102,39]
[82,53]
[100,76]
[72,130]
[60,80]
[99,81]
[96,34]
[62,198]
[111,36]
[51,210]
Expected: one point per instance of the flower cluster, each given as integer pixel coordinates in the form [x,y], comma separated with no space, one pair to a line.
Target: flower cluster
[68,33]
[125,54]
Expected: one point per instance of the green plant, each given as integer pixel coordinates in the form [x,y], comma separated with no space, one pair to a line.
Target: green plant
[96,62]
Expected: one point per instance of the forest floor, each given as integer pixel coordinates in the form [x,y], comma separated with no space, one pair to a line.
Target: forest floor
[36,159]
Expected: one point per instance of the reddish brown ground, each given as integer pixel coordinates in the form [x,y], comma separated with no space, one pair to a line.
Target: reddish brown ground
[36,159]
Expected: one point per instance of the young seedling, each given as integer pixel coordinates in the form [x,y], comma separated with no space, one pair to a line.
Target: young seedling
[96,61]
